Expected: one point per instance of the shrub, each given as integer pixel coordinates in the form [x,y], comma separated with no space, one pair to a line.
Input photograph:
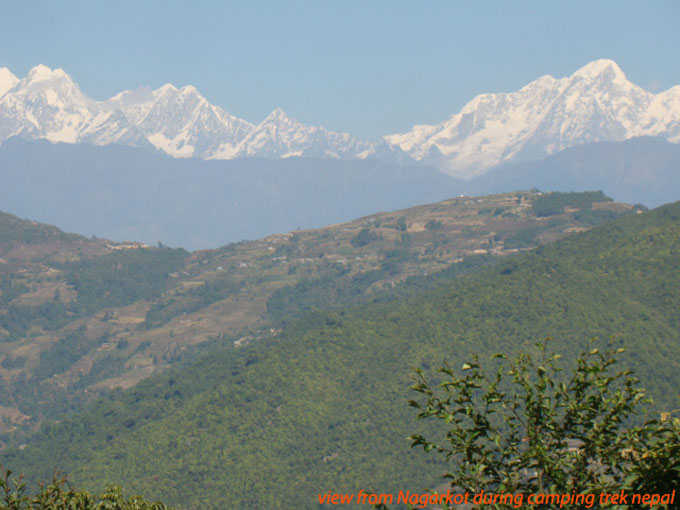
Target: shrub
[533,428]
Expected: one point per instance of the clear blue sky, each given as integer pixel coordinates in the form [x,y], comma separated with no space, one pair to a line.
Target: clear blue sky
[368,67]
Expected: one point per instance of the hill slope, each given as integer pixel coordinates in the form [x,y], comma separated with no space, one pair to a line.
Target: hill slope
[322,405]
[80,316]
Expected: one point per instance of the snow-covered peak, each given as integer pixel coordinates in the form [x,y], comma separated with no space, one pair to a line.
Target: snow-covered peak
[39,73]
[168,88]
[277,115]
[598,68]
[43,73]
[46,103]
[53,86]
[596,103]
[280,136]
[190,90]
[7,80]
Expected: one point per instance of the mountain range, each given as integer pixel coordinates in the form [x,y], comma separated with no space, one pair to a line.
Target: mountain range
[127,193]
[597,103]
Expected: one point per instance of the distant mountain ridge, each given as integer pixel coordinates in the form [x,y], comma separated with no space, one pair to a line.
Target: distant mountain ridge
[640,170]
[596,103]
[125,193]
[178,121]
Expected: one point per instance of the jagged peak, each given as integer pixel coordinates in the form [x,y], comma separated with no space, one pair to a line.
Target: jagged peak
[189,89]
[139,95]
[542,81]
[7,80]
[6,74]
[598,67]
[277,115]
[168,87]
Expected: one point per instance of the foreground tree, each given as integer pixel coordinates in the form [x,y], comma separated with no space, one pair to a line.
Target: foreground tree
[532,427]
[59,496]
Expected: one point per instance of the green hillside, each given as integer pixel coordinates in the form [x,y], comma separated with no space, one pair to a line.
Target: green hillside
[80,317]
[322,405]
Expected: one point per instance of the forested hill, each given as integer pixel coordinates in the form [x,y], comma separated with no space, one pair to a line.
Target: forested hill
[322,405]
[80,316]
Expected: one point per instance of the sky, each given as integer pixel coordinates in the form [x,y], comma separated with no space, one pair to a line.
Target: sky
[367,67]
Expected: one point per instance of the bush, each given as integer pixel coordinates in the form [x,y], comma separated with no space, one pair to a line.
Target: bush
[364,237]
[59,496]
[433,225]
[532,428]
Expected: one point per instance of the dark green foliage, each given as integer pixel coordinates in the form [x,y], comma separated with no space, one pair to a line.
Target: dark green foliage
[338,288]
[60,496]
[64,353]
[655,458]
[122,277]
[320,406]
[529,236]
[11,362]
[527,426]
[364,237]
[191,300]
[433,225]
[333,287]
[30,232]
[491,211]
[555,202]
[596,216]
[116,279]
[142,346]
[524,237]
[18,319]
[108,365]
[9,289]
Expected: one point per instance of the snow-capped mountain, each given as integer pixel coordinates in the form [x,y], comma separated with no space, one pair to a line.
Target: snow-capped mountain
[7,80]
[180,122]
[597,103]
[279,136]
[45,104]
